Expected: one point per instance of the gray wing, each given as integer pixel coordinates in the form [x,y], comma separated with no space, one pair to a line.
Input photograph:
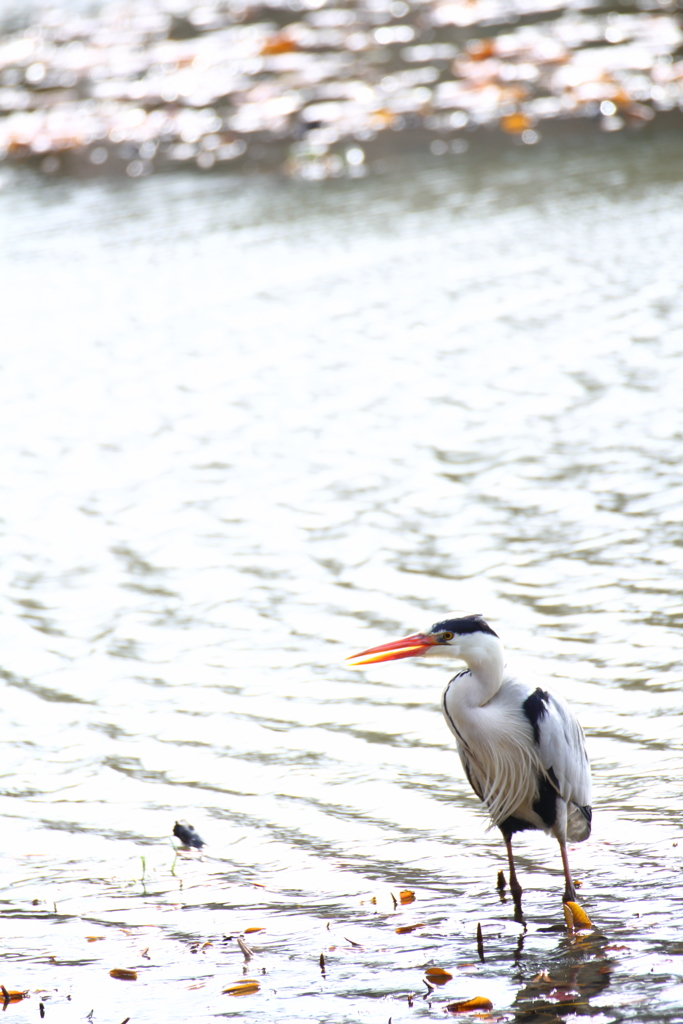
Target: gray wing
[562,748]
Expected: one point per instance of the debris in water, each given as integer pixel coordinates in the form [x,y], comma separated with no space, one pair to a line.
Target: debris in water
[12,995]
[480,943]
[478,1003]
[438,976]
[185,832]
[242,988]
[576,917]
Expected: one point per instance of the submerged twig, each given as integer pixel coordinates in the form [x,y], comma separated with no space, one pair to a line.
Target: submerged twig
[480,943]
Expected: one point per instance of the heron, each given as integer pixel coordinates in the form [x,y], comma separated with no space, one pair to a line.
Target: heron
[522,748]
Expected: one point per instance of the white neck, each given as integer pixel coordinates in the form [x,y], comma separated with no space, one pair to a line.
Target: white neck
[483,655]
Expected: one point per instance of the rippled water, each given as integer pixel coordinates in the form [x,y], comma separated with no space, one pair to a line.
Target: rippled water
[250,427]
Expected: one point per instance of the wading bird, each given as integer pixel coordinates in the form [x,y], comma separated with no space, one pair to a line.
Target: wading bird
[522,749]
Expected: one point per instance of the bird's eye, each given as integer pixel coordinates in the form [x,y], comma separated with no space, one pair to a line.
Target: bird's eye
[445,637]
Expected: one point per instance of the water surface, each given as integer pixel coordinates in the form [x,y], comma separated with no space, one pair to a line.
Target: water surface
[252,426]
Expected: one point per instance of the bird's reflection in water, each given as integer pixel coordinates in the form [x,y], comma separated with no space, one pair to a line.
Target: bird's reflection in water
[577,972]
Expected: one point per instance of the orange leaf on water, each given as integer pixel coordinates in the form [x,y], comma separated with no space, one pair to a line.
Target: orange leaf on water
[12,995]
[478,1003]
[404,929]
[123,974]
[241,988]
[437,975]
[406,896]
[250,931]
[480,49]
[514,124]
[278,44]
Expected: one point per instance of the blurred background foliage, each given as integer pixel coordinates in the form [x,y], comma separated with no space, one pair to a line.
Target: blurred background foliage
[324,88]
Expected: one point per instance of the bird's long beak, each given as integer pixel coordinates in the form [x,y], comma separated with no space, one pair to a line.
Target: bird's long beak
[407,647]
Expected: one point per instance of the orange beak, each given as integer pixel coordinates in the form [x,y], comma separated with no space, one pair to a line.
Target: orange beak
[408,647]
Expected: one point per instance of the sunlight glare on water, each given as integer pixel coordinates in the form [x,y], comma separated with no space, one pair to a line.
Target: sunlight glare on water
[251,427]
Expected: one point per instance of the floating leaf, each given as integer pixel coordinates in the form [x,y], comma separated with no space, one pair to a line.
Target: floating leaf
[12,995]
[437,975]
[481,49]
[278,44]
[404,929]
[515,124]
[406,896]
[575,916]
[94,938]
[250,931]
[478,1003]
[241,988]
[123,974]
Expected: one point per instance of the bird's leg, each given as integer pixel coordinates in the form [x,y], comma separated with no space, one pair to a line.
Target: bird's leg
[569,891]
[515,887]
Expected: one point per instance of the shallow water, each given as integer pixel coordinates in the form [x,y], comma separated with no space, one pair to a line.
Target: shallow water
[250,427]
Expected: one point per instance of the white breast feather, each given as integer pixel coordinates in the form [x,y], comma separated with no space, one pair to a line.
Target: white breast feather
[497,747]
[505,766]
